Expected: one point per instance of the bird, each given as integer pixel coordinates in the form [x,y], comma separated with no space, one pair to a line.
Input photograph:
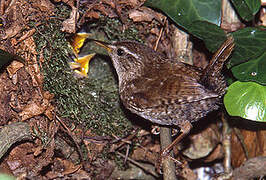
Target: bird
[166,91]
[79,64]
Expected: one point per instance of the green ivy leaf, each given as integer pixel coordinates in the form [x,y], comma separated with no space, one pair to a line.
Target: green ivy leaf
[247,100]
[199,17]
[6,58]
[250,44]
[185,12]
[246,8]
[253,70]
[254,5]
[212,35]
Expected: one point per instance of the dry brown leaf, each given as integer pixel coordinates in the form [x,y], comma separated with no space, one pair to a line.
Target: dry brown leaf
[13,18]
[109,2]
[38,106]
[31,110]
[14,67]
[69,25]
[155,31]
[20,158]
[218,153]
[38,151]
[255,142]
[145,155]
[44,5]
[12,31]
[232,26]
[47,95]
[70,167]
[69,2]
[28,34]
[35,74]
[49,112]
[93,14]
[199,59]
[188,173]
[105,10]
[140,16]
[132,3]
[203,143]
[30,46]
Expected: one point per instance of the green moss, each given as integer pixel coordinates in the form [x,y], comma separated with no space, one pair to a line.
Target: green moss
[92,102]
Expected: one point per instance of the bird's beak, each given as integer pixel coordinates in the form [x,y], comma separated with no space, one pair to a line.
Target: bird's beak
[105,45]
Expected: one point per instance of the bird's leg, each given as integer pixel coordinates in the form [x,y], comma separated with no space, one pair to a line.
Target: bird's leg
[165,153]
[185,129]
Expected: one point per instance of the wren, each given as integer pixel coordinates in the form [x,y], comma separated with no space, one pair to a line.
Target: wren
[165,91]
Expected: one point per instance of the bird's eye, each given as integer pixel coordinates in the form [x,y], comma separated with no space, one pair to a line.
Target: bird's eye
[120,52]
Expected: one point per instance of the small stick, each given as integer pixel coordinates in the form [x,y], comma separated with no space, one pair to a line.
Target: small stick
[226,145]
[167,163]
[160,35]
[66,129]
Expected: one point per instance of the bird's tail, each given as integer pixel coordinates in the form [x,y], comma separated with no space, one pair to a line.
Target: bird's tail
[212,76]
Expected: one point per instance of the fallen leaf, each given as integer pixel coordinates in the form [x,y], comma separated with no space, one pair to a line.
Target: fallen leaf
[47,95]
[13,165]
[35,108]
[70,167]
[217,153]
[35,74]
[69,25]
[255,142]
[110,3]
[31,110]
[140,16]
[203,143]
[44,5]
[141,154]
[107,11]
[30,46]
[12,31]
[49,112]
[68,2]
[14,67]
[93,14]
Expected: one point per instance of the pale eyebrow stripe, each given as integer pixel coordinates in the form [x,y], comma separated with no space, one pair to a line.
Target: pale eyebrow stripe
[127,51]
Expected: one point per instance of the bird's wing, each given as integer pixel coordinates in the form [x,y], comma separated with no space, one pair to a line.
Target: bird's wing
[168,90]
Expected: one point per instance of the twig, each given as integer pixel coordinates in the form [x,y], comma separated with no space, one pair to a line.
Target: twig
[66,129]
[139,165]
[226,144]
[127,153]
[160,35]
[168,164]
[76,15]
[124,141]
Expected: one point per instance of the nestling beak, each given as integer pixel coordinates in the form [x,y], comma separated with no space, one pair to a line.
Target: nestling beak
[81,64]
[78,41]
[103,44]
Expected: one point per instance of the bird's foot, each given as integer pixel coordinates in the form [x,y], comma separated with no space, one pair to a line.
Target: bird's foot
[165,153]
[164,156]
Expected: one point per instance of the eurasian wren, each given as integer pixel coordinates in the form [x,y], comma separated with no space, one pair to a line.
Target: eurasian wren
[166,91]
